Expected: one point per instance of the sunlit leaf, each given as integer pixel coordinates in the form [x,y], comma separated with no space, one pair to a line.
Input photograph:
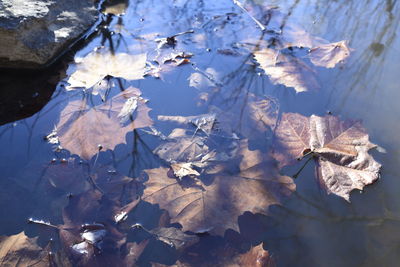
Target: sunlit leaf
[340,149]
[287,70]
[328,55]
[20,250]
[92,68]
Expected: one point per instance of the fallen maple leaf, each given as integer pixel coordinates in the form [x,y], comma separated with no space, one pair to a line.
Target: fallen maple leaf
[95,66]
[186,152]
[215,207]
[328,55]
[340,149]
[85,131]
[287,70]
[20,250]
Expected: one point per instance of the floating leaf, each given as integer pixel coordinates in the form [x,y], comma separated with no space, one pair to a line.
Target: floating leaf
[215,207]
[94,67]
[287,70]
[20,250]
[340,149]
[328,55]
[84,131]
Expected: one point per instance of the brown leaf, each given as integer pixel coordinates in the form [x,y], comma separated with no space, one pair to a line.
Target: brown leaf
[82,129]
[328,55]
[20,250]
[287,70]
[215,207]
[92,68]
[134,252]
[340,147]
[256,257]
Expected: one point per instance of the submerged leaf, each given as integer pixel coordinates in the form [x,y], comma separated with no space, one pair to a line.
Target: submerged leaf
[215,207]
[287,70]
[340,149]
[91,69]
[328,55]
[85,131]
[174,237]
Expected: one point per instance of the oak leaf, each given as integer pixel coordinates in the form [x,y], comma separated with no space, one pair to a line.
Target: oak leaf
[84,131]
[340,149]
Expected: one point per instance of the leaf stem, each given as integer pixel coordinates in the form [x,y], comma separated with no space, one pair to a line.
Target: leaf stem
[302,167]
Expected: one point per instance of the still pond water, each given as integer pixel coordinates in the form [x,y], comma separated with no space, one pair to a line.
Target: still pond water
[311,228]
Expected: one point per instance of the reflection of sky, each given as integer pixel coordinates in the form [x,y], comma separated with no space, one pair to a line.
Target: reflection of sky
[365,88]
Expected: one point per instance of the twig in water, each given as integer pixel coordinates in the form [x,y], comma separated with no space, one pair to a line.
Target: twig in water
[262,27]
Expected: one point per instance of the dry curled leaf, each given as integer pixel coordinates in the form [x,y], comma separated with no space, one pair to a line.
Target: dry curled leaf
[340,149]
[328,55]
[215,207]
[287,70]
[84,131]
[92,68]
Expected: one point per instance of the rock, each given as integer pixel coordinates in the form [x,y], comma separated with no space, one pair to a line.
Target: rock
[34,32]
